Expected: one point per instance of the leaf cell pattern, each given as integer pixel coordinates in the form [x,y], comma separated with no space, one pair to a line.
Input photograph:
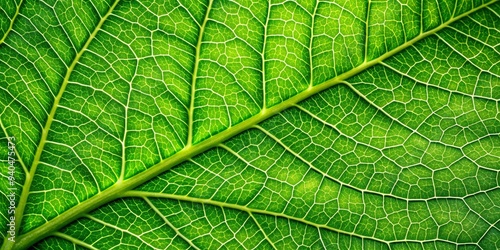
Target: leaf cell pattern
[209,124]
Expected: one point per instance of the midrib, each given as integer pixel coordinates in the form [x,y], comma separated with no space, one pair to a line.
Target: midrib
[115,191]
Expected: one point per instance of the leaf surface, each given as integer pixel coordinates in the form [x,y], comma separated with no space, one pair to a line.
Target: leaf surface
[252,124]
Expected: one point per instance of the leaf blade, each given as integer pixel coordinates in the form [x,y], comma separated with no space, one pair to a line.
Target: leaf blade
[146,173]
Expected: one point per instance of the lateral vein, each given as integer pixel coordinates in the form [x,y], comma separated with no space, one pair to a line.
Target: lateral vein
[43,139]
[189,142]
[2,40]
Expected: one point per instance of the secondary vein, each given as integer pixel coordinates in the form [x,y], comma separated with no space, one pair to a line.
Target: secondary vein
[43,139]
[195,75]
[2,40]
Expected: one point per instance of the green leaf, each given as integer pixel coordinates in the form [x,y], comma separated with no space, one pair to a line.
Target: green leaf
[251,124]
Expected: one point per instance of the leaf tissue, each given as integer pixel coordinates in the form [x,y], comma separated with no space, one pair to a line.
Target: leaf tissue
[250,124]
